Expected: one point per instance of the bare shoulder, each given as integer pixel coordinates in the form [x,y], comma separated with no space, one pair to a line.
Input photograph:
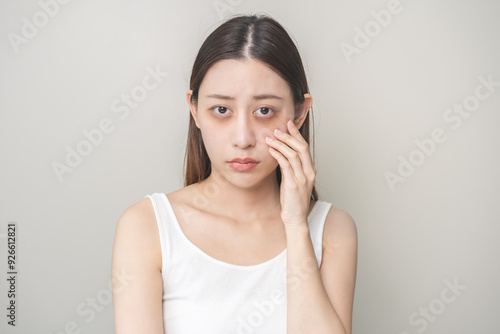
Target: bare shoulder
[137,233]
[136,266]
[339,264]
[340,227]
[138,216]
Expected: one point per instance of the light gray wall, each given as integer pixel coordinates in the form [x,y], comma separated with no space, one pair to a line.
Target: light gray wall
[372,103]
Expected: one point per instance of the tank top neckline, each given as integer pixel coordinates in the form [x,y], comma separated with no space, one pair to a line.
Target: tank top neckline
[212,259]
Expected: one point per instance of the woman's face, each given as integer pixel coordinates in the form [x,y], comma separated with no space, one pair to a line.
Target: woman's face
[239,104]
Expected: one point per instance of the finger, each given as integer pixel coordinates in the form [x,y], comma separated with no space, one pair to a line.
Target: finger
[286,168]
[293,139]
[305,154]
[291,156]
[294,132]
[299,144]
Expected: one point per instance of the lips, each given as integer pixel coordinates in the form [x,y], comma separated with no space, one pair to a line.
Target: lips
[242,164]
[244,160]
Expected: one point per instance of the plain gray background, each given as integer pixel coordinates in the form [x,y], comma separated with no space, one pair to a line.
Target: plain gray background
[65,67]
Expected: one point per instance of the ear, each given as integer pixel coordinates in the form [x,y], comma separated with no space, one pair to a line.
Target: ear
[192,107]
[304,109]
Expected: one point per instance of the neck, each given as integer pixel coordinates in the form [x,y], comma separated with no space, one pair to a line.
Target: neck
[243,204]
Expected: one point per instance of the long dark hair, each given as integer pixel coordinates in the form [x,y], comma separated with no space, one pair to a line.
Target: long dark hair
[257,37]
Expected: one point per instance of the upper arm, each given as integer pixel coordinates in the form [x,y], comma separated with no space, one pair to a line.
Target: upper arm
[136,272]
[338,266]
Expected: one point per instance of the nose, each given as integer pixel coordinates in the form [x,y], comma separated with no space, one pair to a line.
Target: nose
[243,132]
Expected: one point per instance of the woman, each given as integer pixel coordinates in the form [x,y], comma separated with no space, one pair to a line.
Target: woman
[246,246]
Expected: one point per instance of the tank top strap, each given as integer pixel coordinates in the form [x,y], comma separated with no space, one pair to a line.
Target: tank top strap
[165,228]
[316,221]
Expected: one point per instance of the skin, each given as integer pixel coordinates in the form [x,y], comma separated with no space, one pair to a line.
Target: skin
[234,123]
[246,122]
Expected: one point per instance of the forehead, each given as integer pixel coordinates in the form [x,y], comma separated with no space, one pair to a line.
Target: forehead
[241,78]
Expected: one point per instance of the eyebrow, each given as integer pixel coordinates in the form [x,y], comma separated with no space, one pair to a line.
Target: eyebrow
[256,97]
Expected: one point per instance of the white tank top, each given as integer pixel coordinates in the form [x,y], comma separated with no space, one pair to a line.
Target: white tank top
[204,295]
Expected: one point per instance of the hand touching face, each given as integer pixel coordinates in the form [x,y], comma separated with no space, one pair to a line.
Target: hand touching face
[239,104]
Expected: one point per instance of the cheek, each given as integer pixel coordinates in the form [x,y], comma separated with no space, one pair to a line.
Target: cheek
[263,133]
[213,139]
[268,130]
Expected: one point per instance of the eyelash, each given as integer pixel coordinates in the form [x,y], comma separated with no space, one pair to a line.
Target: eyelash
[271,110]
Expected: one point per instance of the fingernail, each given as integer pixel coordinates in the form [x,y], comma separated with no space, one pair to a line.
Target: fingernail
[269,139]
[277,131]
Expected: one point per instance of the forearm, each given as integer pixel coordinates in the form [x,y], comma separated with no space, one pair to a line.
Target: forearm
[309,309]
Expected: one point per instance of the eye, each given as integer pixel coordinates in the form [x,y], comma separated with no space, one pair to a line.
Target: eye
[220,109]
[266,110]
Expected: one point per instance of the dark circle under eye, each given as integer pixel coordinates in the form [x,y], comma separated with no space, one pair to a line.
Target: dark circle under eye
[223,109]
